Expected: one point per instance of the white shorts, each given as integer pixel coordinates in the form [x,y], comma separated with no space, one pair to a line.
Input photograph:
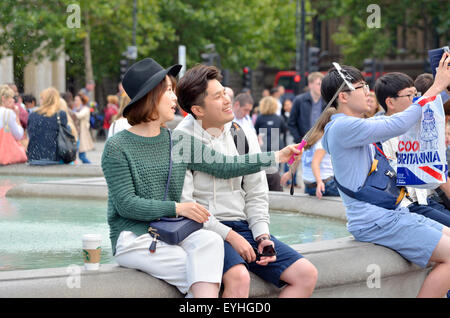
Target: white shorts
[198,258]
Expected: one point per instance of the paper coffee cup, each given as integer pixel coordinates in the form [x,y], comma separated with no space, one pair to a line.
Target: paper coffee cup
[91,251]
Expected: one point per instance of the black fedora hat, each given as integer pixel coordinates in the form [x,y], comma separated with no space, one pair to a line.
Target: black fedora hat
[142,77]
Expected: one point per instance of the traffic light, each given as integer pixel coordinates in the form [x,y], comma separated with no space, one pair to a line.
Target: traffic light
[313,59]
[247,77]
[123,68]
[369,70]
[206,59]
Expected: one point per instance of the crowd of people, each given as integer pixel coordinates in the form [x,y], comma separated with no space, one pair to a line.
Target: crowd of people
[147,179]
[34,124]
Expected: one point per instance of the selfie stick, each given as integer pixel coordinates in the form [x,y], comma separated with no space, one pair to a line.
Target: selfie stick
[347,81]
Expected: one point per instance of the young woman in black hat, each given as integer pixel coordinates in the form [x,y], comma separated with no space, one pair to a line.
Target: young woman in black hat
[136,165]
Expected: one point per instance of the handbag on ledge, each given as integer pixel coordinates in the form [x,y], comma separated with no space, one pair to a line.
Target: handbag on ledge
[171,230]
[11,151]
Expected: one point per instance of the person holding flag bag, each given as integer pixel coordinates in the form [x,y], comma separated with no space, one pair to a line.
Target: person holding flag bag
[396,91]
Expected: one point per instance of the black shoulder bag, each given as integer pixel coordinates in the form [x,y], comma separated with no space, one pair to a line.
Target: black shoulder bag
[66,143]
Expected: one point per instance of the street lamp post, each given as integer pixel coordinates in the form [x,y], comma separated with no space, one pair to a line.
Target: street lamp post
[300,48]
[134,21]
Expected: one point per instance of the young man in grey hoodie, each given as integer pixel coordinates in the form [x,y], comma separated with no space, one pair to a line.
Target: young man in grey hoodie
[239,207]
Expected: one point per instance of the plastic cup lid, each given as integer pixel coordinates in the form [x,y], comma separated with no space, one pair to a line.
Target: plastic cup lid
[92,237]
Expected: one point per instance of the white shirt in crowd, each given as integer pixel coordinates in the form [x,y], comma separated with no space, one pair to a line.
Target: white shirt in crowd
[8,116]
[245,122]
[117,126]
[326,167]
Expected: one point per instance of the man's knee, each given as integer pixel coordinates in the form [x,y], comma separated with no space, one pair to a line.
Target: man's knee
[236,281]
[302,273]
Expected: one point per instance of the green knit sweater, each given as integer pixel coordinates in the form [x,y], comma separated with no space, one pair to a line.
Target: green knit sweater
[136,169]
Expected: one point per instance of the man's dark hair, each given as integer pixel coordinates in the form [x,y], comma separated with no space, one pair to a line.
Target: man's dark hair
[423,82]
[243,99]
[389,85]
[191,89]
[332,81]
[274,90]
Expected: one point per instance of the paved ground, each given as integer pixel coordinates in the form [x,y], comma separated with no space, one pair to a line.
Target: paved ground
[95,155]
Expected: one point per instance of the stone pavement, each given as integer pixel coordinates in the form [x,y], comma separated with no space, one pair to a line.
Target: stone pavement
[94,155]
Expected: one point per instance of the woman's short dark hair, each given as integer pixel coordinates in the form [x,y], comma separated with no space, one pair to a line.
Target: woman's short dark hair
[144,110]
[389,85]
[332,81]
[191,89]
[28,98]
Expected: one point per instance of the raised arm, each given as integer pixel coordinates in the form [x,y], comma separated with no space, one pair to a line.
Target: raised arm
[360,131]
[200,157]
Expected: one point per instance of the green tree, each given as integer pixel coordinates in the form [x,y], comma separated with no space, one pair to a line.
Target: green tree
[245,32]
[30,29]
[357,41]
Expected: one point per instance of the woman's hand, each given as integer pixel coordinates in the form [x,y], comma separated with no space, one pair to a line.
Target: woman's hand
[320,189]
[193,211]
[285,154]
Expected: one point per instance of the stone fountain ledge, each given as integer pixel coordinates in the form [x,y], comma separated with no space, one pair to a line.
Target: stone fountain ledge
[24,169]
[74,188]
[346,269]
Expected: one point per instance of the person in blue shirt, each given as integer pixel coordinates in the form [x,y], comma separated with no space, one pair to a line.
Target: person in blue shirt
[348,139]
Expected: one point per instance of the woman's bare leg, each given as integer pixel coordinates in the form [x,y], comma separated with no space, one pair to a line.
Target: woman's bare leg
[205,290]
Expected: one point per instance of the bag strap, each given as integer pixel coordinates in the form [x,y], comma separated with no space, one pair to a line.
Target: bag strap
[378,147]
[58,119]
[6,123]
[238,134]
[170,166]
[344,189]
[114,127]
[349,192]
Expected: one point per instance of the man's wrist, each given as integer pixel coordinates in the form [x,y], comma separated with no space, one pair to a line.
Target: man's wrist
[262,237]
